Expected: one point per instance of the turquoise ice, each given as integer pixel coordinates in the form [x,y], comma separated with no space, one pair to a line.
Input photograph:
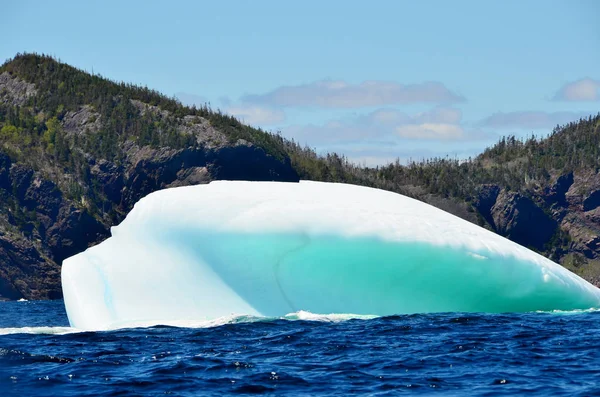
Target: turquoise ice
[269,248]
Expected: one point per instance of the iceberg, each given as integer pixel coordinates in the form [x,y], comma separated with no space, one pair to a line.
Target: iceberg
[271,248]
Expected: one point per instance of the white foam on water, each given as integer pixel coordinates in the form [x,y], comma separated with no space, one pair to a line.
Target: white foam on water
[300,315]
[333,317]
[39,330]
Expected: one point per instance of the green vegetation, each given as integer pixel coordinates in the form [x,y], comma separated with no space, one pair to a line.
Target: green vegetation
[34,130]
[62,88]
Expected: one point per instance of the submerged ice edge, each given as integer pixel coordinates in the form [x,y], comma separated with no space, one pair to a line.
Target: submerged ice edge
[231,319]
[300,315]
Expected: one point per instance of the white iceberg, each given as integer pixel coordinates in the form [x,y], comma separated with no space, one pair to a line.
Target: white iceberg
[270,248]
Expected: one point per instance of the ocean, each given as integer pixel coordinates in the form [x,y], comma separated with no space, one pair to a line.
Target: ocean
[302,354]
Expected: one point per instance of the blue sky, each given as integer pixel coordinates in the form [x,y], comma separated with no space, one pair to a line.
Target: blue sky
[373,80]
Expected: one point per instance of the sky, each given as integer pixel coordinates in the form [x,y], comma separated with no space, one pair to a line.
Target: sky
[375,81]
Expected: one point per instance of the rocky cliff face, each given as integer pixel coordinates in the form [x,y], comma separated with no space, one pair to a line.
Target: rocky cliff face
[521,220]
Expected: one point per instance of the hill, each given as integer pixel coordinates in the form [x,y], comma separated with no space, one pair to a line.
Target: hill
[78,150]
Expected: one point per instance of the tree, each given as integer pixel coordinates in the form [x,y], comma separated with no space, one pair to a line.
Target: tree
[9,133]
[53,133]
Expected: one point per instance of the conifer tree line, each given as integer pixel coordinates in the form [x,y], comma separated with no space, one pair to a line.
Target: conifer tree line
[33,132]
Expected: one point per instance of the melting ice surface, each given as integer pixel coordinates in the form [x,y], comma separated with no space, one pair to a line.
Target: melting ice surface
[269,248]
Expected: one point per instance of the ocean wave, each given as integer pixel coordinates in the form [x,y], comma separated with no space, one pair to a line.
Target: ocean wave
[300,315]
[217,322]
[571,312]
[39,330]
[334,317]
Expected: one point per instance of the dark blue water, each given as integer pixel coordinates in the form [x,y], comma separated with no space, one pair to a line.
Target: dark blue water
[452,354]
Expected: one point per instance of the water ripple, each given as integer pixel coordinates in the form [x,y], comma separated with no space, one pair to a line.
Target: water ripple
[302,354]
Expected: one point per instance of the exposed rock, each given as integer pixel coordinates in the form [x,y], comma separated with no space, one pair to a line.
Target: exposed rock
[110,178]
[521,220]
[582,232]
[42,196]
[591,201]
[20,177]
[191,176]
[593,215]
[83,121]
[585,182]
[153,169]
[205,134]
[73,232]
[593,243]
[25,273]
[248,162]
[557,192]
[15,91]
[485,200]
[144,108]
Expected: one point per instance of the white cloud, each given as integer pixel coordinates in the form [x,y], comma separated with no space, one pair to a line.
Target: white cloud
[440,115]
[256,115]
[530,120]
[439,131]
[387,125]
[340,94]
[581,90]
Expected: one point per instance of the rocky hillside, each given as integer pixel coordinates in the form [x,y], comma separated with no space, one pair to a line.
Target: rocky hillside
[77,151]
